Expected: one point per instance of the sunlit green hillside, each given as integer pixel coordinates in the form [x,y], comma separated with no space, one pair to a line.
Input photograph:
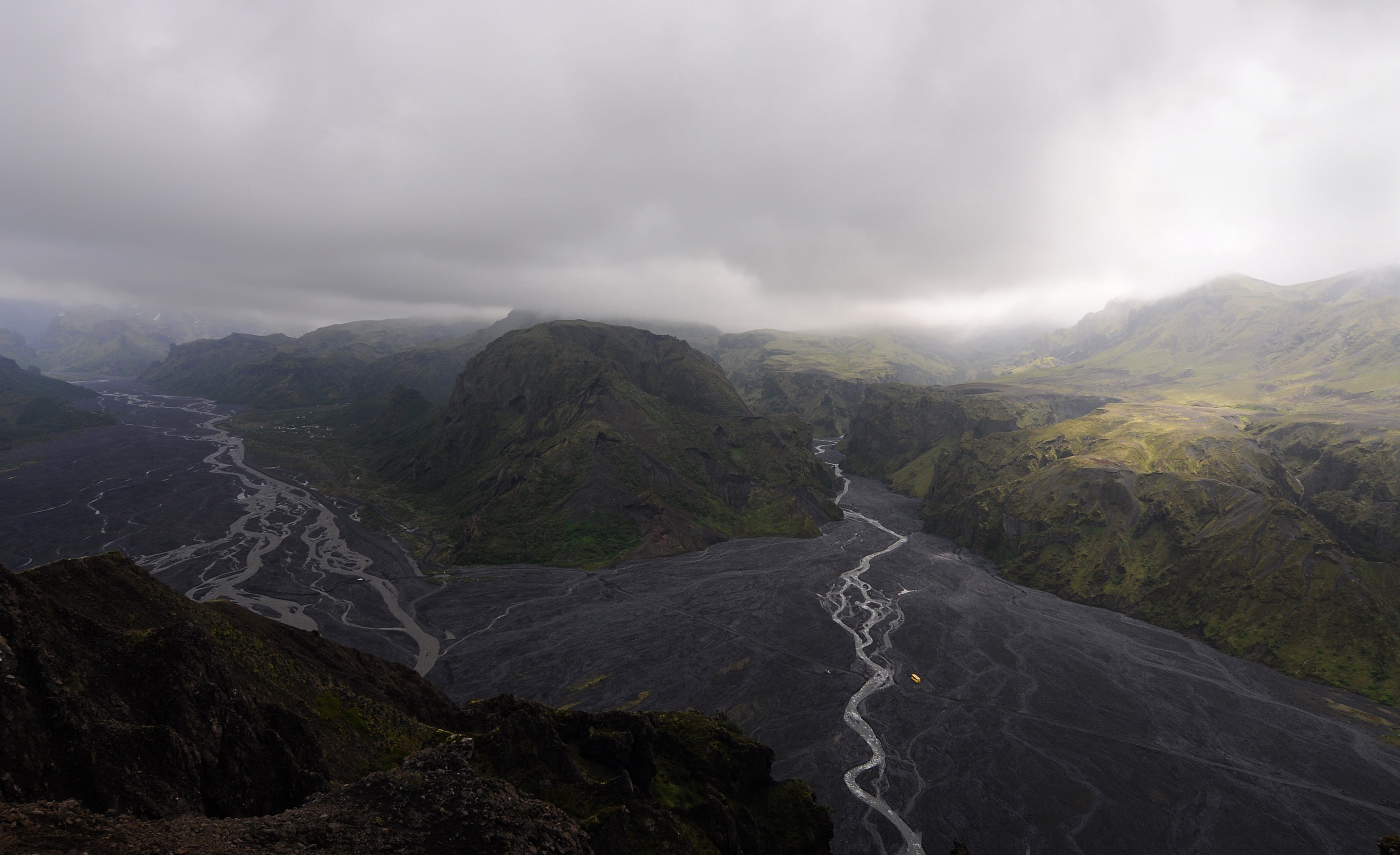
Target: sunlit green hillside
[1239,481]
[1234,341]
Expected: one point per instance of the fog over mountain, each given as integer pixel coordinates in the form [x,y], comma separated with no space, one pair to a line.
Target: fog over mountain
[782,164]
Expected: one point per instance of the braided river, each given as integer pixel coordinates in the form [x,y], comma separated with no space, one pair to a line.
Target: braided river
[1035,725]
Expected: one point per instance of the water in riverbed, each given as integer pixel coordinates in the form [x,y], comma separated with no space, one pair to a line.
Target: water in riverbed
[1038,723]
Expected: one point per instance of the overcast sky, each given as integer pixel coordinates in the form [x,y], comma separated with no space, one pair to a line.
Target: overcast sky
[748,163]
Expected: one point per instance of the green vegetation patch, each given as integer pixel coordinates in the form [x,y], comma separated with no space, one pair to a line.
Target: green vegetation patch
[1271,539]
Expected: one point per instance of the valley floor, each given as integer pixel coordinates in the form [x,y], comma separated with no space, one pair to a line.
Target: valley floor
[1038,723]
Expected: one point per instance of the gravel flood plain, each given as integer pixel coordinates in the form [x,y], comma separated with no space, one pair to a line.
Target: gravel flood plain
[1037,723]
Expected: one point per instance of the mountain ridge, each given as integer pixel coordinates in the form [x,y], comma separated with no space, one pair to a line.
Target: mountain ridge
[616,440]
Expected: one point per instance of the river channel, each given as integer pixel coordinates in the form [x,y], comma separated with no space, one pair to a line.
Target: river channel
[1035,725]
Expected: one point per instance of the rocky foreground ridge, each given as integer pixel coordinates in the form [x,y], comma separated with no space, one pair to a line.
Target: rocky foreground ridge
[134,720]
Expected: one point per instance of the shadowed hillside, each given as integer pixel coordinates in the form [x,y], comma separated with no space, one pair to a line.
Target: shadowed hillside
[347,362]
[576,442]
[34,407]
[325,366]
[127,698]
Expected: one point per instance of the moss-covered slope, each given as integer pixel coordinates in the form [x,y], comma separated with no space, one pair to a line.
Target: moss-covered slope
[1347,470]
[581,443]
[1179,515]
[265,371]
[122,694]
[1232,341]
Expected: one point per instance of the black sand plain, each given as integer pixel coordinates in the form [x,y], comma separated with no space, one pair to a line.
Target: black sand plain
[1037,725]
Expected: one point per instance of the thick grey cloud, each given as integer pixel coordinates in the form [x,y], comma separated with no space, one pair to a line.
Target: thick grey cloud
[780,163]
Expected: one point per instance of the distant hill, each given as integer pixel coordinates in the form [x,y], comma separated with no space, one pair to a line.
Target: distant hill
[96,341]
[375,339]
[432,368]
[1356,285]
[1236,340]
[13,346]
[822,377]
[574,442]
[34,407]
[1238,483]
[328,365]
[347,362]
[204,727]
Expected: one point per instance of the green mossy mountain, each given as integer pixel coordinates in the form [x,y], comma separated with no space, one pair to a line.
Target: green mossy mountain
[264,371]
[581,443]
[822,377]
[35,408]
[126,697]
[335,364]
[1236,341]
[1239,482]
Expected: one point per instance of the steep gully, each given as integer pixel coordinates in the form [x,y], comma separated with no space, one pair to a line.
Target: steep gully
[1039,723]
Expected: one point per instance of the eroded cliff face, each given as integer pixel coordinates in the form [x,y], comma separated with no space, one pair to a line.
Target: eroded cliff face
[898,424]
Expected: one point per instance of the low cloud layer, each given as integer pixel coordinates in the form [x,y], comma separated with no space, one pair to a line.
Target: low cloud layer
[782,164]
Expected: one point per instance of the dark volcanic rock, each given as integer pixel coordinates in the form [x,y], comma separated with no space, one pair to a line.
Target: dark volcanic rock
[433,803]
[656,781]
